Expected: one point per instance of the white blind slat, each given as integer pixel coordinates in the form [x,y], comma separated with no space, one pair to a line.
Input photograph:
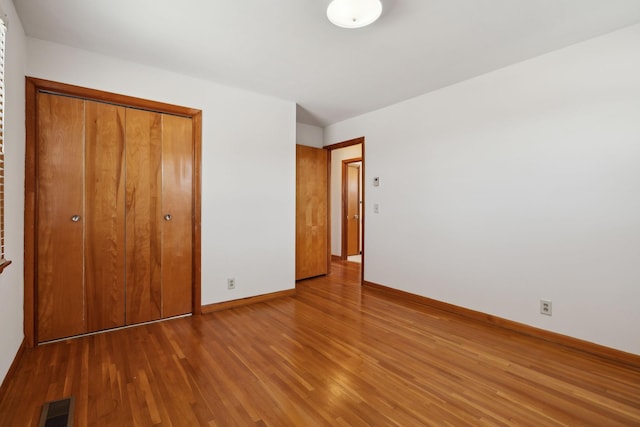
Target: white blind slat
[3,34]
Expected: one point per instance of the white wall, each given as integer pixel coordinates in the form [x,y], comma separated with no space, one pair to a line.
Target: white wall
[11,279]
[518,185]
[248,165]
[312,136]
[337,156]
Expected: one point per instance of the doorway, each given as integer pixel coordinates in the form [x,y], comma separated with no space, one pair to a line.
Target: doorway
[347,195]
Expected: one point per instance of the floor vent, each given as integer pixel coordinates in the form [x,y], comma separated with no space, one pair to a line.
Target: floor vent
[57,413]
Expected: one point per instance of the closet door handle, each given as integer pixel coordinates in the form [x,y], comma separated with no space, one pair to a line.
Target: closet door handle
[75,218]
[168,217]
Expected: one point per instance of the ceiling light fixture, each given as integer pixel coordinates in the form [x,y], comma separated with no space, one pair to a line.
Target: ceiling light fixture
[354,13]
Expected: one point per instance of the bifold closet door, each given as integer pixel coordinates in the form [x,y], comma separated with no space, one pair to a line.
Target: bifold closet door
[104,223]
[59,248]
[159,215]
[177,211]
[114,216]
[80,216]
[143,216]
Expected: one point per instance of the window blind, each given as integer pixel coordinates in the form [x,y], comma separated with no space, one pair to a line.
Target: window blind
[3,34]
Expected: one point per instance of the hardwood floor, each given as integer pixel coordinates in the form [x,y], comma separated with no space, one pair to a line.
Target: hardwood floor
[334,354]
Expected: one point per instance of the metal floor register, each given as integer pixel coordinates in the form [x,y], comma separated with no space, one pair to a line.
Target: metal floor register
[57,413]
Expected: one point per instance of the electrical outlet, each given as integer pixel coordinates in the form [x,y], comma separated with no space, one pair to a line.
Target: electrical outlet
[545,307]
[231,283]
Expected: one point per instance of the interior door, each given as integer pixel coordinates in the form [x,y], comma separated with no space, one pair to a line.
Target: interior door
[80,216]
[104,247]
[353,209]
[60,217]
[177,211]
[159,215]
[312,241]
[112,211]
[115,200]
[143,216]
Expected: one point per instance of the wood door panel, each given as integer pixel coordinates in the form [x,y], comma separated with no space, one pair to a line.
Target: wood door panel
[177,201]
[60,288]
[312,243]
[353,210]
[106,269]
[104,213]
[143,213]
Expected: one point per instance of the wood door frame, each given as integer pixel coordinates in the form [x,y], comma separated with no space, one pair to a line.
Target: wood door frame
[32,87]
[345,202]
[343,144]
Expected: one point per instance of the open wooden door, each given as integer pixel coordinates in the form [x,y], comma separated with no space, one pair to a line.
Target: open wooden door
[312,210]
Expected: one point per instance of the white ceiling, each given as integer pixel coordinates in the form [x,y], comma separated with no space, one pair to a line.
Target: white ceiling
[288,48]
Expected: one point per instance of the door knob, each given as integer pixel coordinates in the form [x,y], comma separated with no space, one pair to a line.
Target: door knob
[75,218]
[168,217]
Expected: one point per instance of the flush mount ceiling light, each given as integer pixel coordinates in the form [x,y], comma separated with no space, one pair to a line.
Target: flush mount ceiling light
[354,13]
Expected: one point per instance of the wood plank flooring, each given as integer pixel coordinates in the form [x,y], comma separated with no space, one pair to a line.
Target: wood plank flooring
[334,355]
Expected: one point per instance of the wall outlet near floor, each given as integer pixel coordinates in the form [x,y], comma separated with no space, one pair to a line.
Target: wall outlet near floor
[231,283]
[545,307]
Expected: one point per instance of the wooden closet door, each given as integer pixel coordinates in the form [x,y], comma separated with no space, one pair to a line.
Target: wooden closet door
[143,215]
[60,217]
[104,251]
[177,204]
